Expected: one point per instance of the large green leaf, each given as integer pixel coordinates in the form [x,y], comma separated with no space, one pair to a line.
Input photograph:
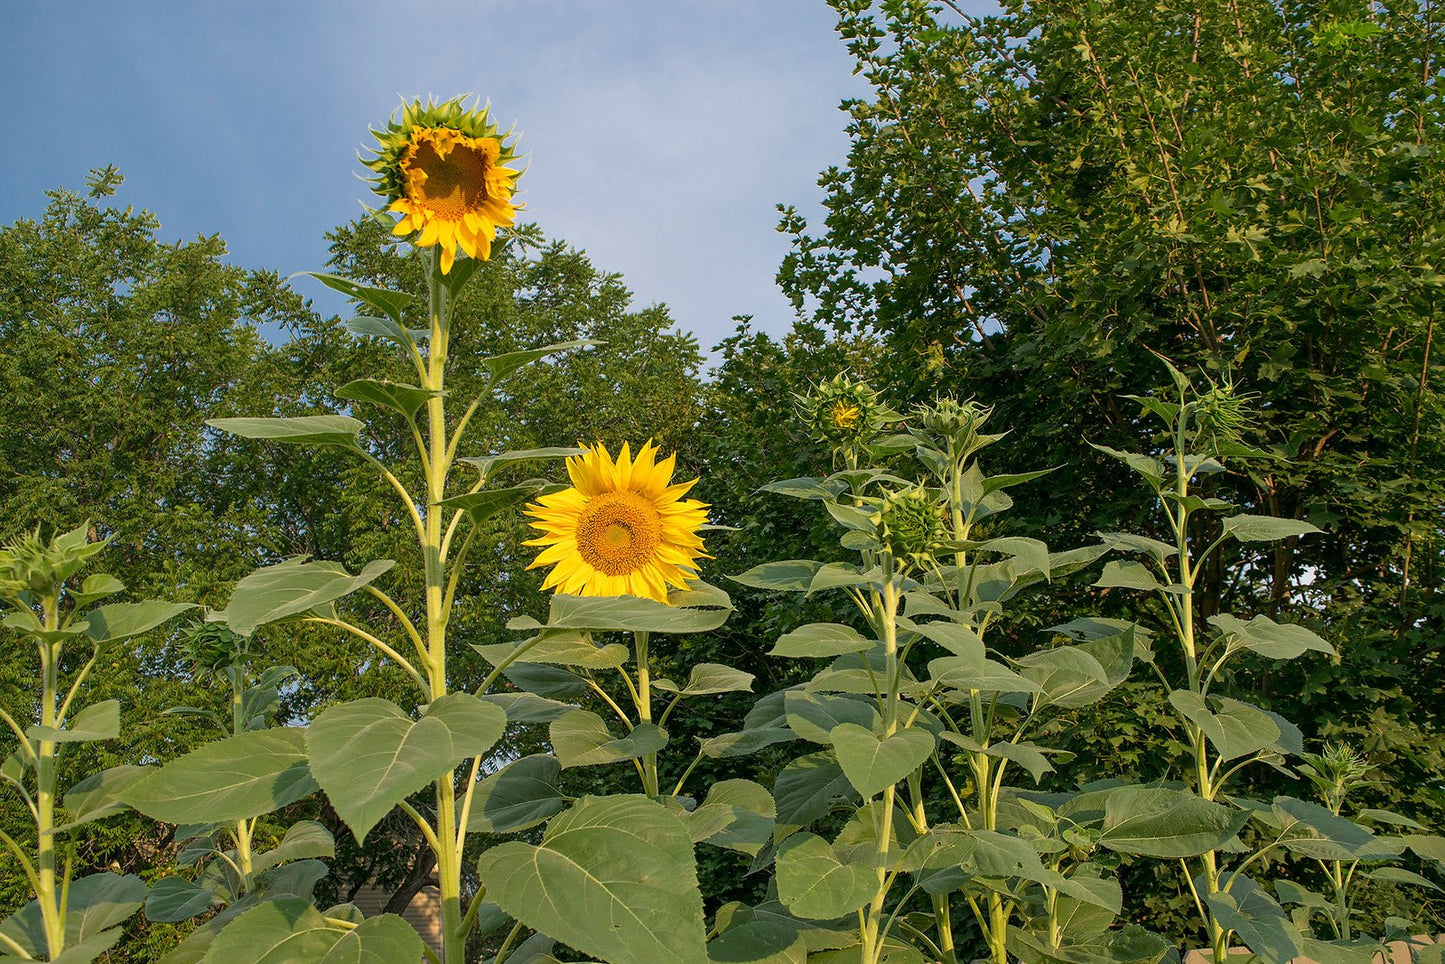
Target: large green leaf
[815,884]
[520,795]
[821,639]
[760,942]
[302,429]
[236,778]
[1026,755]
[628,614]
[613,877]
[709,678]
[174,899]
[737,814]
[99,721]
[962,641]
[1264,528]
[977,673]
[1313,831]
[1067,676]
[550,682]
[373,327]
[581,739]
[812,489]
[1259,922]
[123,620]
[570,648]
[812,716]
[369,755]
[284,931]
[808,787]
[989,853]
[792,575]
[1236,729]
[501,366]
[1266,637]
[1029,555]
[481,506]
[93,905]
[1150,468]
[385,939]
[304,839]
[292,588]
[524,707]
[486,464]
[384,300]
[1165,823]
[1129,542]
[99,795]
[1127,574]
[84,952]
[406,399]
[872,765]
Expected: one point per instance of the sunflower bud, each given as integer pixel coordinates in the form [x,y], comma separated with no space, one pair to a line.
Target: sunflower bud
[843,412]
[1222,415]
[910,526]
[951,425]
[1335,772]
[211,647]
[30,565]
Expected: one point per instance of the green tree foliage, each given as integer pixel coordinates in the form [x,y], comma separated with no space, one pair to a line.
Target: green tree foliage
[1036,201]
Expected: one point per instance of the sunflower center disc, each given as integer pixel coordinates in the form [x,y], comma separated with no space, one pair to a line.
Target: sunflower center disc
[618,533]
[452,185]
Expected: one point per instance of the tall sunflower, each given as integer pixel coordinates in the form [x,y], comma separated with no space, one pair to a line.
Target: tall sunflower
[622,529]
[442,168]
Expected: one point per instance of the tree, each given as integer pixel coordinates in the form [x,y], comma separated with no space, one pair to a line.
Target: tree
[1034,202]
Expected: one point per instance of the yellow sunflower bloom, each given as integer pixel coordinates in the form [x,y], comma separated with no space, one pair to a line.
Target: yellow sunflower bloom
[622,529]
[442,167]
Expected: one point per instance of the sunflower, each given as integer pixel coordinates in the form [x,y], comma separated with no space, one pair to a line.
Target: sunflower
[622,529]
[442,168]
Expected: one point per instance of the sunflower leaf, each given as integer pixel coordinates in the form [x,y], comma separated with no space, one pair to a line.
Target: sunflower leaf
[481,506]
[613,877]
[503,365]
[291,588]
[581,739]
[303,430]
[486,463]
[406,399]
[386,328]
[383,300]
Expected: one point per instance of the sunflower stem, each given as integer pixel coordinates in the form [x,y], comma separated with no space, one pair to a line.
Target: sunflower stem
[644,712]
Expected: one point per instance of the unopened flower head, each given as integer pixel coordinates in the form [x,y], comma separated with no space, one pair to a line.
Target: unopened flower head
[911,526]
[1335,771]
[443,168]
[28,564]
[843,412]
[1222,415]
[212,647]
[949,423]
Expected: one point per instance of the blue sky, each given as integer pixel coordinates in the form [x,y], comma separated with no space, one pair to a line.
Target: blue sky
[661,133]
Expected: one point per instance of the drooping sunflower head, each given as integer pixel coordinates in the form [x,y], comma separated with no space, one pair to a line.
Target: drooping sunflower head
[622,529]
[443,168]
